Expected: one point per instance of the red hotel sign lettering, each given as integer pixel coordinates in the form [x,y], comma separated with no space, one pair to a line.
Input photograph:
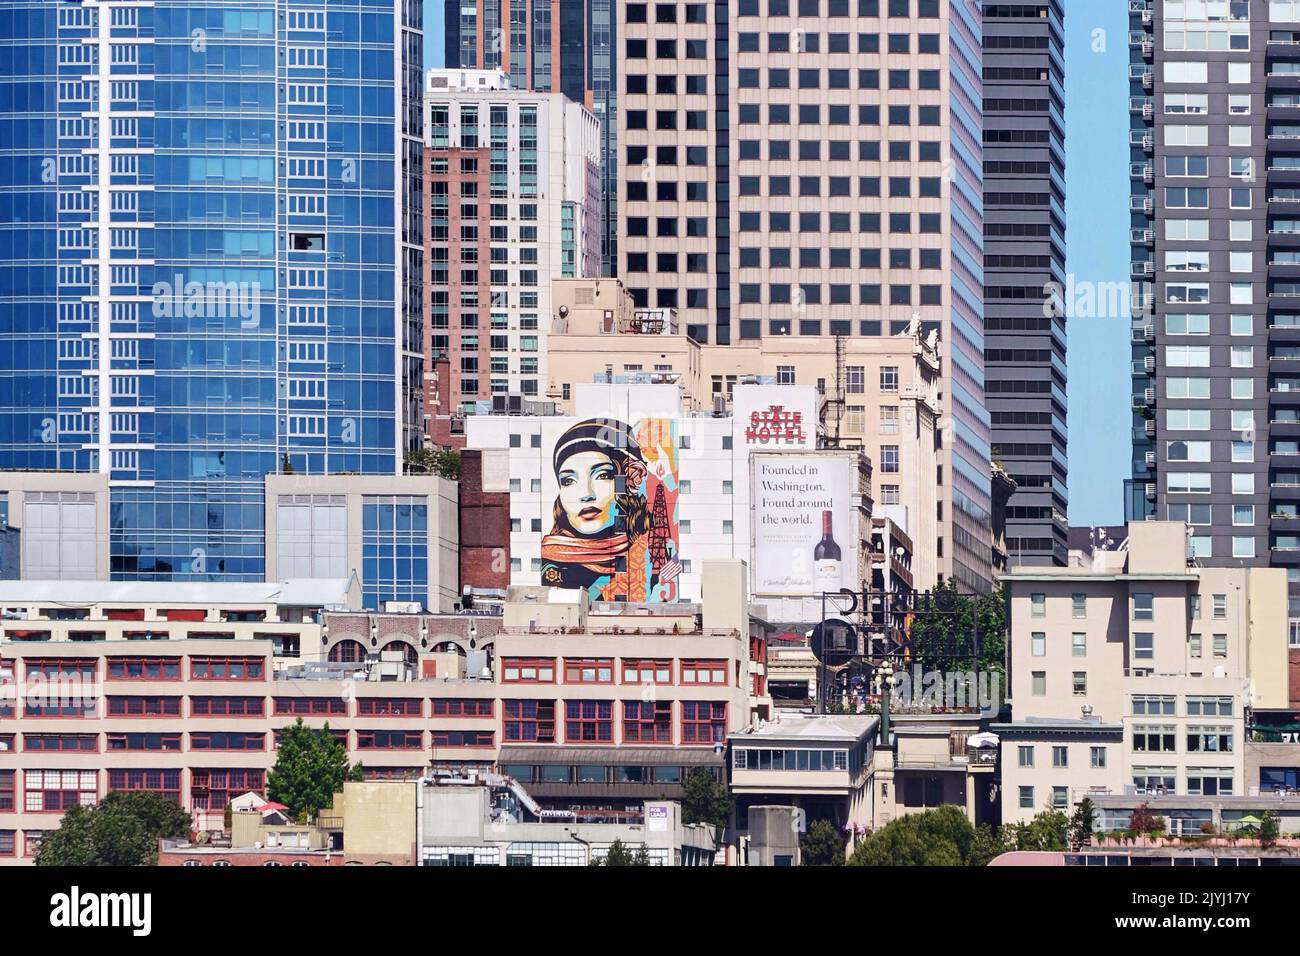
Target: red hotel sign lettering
[775,426]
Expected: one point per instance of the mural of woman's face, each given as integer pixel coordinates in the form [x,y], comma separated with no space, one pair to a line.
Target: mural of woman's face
[587,491]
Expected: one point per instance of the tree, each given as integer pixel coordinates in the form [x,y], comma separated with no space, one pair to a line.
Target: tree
[1046,831]
[1081,823]
[1143,821]
[309,769]
[939,837]
[987,846]
[426,461]
[822,845]
[123,829]
[619,854]
[945,624]
[1269,828]
[707,800]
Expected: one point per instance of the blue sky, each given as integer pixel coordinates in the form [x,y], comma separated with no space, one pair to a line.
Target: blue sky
[1096,94]
[1096,177]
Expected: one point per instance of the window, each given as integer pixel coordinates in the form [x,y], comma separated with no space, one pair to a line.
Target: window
[1025,755]
[1148,738]
[530,721]
[1060,798]
[1027,798]
[390,707]
[1060,756]
[528,670]
[50,791]
[703,722]
[1079,683]
[1097,757]
[1143,646]
[1153,705]
[1038,604]
[310,706]
[1079,644]
[7,789]
[658,671]
[704,672]
[589,670]
[1194,645]
[227,668]
[1039,684]
[144,668]
[647,721]
[462,707]
[1143,607]
[144,706]
[1209,739]
[588,721]
[227,741]
[390,740]
[1220,605]
[213,789]
[888,378]
[227,706]
[1038,644]
[1220,645]
[1078,606]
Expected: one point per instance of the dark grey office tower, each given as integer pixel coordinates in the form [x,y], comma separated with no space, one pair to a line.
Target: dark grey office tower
[1215,234]
[1024,255]
[553,45]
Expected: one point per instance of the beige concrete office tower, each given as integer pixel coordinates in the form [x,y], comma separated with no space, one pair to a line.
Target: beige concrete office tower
[811,170]
[513,202]
[1133,674]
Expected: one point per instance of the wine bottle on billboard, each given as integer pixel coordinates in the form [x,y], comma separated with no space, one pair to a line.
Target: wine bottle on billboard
[826,558]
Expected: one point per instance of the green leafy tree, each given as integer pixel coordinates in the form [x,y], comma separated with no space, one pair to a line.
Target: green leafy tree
[1082,822]
[1048,830]
[987,846]
[309,769]
[939,837]
[619,854]
[1269,828]
[428,461]
[946,622]
[123,829]
[822,845]
[707,800]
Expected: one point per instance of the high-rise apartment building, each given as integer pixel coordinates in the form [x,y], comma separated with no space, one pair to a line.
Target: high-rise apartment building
[513,185]
[212,259]
[563,46]
[1024,254]
[1215,169]
[812,168]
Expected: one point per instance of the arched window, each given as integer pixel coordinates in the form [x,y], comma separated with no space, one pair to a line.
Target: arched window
[347,652]
[409,653]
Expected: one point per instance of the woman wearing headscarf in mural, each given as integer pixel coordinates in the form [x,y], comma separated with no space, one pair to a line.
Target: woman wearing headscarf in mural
[604,531]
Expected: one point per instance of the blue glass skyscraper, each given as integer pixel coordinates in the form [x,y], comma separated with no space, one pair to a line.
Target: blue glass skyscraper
[210,258]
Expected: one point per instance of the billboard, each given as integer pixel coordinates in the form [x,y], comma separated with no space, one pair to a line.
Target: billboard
[805,526]
[613,524]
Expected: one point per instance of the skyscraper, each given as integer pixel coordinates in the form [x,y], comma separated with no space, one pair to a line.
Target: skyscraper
[1214,156]
[562,46]
[514,202]
[1024,254]
[212,258]
[812,168]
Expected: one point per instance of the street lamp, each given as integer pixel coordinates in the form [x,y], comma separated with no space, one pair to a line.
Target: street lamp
[885,679]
